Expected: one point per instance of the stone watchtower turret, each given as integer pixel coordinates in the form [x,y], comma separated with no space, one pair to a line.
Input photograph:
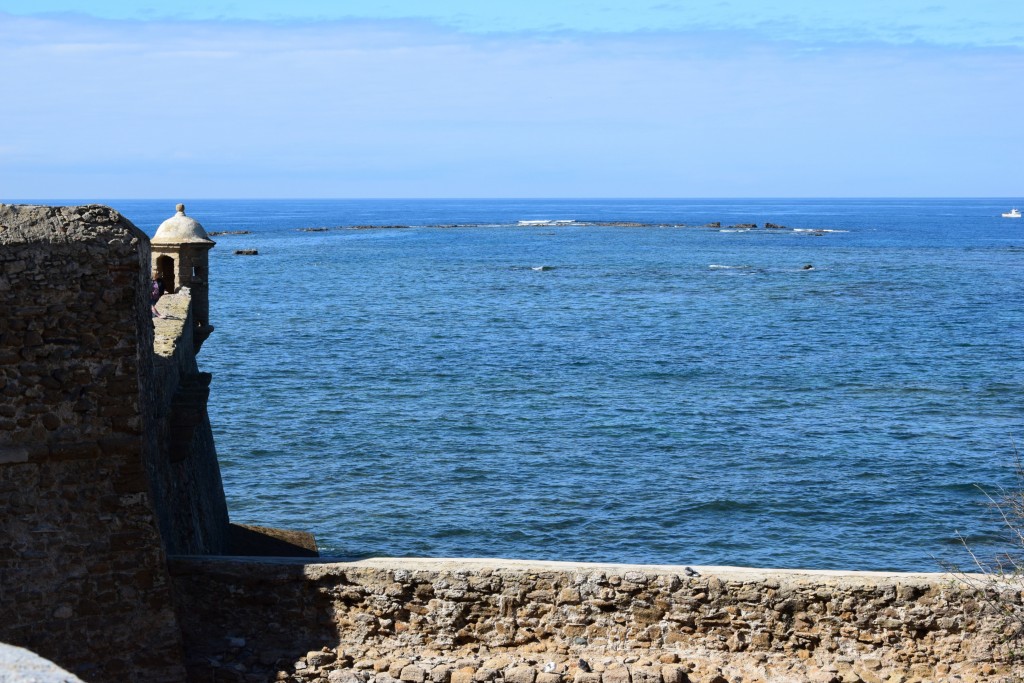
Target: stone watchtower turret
[181,250]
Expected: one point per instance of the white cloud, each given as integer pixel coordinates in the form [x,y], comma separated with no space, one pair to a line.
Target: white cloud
[954,22]
[120,109]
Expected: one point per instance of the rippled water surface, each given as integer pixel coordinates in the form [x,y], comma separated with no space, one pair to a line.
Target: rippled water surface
[655,394]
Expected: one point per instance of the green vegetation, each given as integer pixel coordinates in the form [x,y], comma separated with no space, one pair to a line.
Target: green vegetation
[1000,580]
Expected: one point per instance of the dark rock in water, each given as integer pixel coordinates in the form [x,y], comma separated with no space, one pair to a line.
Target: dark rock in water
[378,227]
[715,224]
[229,232]
[808,266]
[773,226]
[744,226]
[246,252]
[312,229]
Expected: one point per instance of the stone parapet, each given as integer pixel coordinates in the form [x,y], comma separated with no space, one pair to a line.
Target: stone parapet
[475,621]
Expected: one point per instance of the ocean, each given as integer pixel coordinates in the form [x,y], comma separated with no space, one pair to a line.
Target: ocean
[654,393]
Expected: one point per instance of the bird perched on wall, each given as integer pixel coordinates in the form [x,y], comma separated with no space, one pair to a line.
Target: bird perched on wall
[549,668]
[690,571]
[584,667]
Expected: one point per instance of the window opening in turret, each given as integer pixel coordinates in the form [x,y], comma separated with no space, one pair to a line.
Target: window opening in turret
[165,265]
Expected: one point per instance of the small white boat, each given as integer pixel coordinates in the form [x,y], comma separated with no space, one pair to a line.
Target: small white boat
[1014,213]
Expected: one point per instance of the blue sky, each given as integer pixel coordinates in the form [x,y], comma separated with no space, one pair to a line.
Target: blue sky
[528,99]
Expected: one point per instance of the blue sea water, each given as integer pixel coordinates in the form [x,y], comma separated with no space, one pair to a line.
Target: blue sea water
[644,394]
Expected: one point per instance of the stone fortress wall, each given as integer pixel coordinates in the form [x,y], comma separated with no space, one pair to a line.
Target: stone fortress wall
[108,468]
[83,577]
[507,621]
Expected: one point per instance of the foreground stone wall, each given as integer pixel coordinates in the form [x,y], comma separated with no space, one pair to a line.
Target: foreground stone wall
[465,621]
[83,578]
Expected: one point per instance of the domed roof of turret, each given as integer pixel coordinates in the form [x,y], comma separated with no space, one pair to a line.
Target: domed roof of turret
[180,228]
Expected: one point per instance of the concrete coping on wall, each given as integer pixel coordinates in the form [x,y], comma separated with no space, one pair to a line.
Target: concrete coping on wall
[18,665]
[319,568]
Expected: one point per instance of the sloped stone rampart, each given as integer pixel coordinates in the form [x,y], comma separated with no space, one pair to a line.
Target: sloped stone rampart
[466,621]
[192,510]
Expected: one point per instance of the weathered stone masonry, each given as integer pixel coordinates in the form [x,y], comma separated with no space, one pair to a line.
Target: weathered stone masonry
[83,578]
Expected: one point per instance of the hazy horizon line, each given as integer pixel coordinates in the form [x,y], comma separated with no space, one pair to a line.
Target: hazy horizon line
[26,200]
